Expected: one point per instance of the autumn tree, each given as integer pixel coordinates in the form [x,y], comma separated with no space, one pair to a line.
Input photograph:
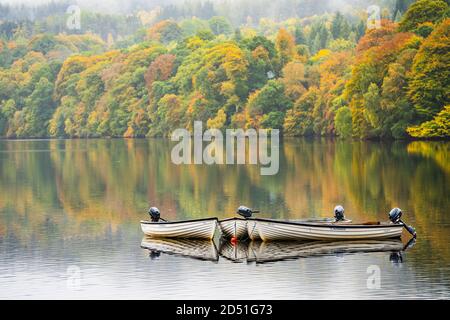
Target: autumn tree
[299,120]
[165,31]
[160,69]
[169,115]
[438,127]
[294,79]
[429,87]
[285,44]
[423,11]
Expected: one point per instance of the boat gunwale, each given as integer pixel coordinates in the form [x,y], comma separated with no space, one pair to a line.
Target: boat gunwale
[177,222]
[317,225]
[234,218]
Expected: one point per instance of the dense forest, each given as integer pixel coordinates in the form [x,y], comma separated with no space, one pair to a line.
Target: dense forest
[149,72]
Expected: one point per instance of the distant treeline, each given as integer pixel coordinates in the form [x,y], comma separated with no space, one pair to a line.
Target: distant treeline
[51,17]
[325,75]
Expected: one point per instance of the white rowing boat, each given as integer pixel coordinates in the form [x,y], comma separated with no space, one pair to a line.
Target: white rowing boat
[192,229]
[275,230]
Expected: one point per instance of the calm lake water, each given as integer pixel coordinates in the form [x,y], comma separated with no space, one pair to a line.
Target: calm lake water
[70,211]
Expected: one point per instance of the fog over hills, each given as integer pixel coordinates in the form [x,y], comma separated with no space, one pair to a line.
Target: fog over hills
[279,6]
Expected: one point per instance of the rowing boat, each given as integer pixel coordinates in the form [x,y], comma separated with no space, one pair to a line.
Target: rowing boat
[190,229]
[276,230]
[338,228]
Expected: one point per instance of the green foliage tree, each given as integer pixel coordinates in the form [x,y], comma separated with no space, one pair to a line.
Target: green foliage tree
[191,27]
[220,25]
[42,43]
[372,105]
[439,127]
[300,38]
[343,122]
[270,98]
[38,110]
[339,27]
[7,111]
[273,120]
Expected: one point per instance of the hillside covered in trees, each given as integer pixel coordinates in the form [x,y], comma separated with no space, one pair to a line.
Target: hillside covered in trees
[146,74]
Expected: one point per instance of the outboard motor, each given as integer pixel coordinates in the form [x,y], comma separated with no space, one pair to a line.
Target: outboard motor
[246,212]
[395,217]
[154,213]
[339,213]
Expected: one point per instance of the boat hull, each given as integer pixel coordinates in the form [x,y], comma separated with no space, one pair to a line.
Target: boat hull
[270,230]
[252,230]
[194,229]
[234,227]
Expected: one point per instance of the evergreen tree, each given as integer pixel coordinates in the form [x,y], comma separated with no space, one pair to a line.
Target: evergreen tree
[337,25]
[299,35]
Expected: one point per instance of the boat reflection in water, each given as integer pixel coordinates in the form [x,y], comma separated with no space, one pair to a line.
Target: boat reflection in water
[276,251]
[263,252]
[237,252]
[192,248]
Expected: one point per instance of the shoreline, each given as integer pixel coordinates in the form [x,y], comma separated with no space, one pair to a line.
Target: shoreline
[336,138]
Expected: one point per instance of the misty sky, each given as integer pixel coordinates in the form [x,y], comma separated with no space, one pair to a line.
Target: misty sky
[128,6]
[81,2]
[105,6]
